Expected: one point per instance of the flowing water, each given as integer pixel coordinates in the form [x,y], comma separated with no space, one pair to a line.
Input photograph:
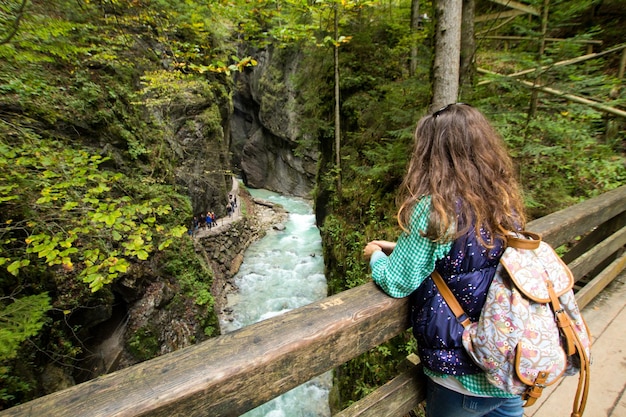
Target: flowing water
[282,271]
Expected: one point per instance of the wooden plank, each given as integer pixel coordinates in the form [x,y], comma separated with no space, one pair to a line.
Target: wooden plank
[558,93]
[557,64]
[535,39]
[565,225]
[571,97]
[605,317]
[594,237]
[576,99]
[233,373]
[596,255]
[394,399]
[592,289]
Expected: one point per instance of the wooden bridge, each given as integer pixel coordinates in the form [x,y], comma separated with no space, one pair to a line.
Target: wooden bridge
[236,372]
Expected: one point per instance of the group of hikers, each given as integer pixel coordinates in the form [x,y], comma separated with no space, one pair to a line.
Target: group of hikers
[209,220]
[203,221]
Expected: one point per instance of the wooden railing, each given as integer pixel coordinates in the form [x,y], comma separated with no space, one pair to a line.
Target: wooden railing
[236,372]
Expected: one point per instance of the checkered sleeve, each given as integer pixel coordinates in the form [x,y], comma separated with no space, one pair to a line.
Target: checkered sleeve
[413,258]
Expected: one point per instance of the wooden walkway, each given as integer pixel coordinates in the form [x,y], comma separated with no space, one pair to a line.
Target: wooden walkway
[606,318]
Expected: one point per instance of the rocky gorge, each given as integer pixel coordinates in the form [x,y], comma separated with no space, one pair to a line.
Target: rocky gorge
[164,328]
[209,135]
[167,135]
[224,249]
[265,131]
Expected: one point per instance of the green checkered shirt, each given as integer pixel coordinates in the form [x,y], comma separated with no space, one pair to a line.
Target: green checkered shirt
[410,263]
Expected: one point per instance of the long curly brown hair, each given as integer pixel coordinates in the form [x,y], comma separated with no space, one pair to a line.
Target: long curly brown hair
[462,163]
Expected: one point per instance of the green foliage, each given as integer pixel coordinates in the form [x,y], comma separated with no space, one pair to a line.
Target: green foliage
[144,344]
[40,38]
[20,319]
[87,187]
[193,275]
[195,280]
[561,155]
[103,228]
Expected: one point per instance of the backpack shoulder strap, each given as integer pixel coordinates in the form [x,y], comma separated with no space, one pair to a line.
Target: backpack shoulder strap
[523,240]
[451,300]
[572,346]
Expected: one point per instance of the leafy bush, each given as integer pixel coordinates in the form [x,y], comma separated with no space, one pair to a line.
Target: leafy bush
[73,215]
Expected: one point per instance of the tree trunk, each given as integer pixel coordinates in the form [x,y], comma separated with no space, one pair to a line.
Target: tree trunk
[415,22]
[447,52]
[337,103]
[534,99]
[468,48]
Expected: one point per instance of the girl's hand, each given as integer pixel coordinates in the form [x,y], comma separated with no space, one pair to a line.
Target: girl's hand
[385,245]
[369,249]
[376,245]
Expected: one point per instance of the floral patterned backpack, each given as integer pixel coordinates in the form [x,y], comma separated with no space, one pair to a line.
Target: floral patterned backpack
[530,332]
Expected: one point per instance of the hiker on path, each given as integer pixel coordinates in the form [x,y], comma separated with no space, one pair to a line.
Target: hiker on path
[209,220]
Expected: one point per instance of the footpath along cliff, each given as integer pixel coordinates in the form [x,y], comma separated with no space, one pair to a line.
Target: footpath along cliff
[223,245]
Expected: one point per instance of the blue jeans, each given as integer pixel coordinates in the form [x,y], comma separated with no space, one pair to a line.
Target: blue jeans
[443,402]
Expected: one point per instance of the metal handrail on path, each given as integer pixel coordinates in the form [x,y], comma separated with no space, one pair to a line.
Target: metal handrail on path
[236,372]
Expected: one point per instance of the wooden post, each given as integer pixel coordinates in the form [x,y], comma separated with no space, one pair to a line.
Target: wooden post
[622,64]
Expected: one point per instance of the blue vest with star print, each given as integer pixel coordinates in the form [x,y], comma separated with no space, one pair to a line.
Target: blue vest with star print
[468,269]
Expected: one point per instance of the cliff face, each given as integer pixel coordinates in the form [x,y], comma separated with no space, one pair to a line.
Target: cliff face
[265,129]
[196,128]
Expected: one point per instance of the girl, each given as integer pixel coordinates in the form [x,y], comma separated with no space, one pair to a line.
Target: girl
[457,197]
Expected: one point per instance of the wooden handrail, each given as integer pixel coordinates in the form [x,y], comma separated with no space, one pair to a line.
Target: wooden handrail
[570,61]
[566,225]
[233,373]
[236,372]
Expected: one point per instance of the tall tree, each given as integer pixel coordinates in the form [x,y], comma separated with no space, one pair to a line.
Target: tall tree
[337,102]
[534,100]
[446,64]
[468,47]
[415,23]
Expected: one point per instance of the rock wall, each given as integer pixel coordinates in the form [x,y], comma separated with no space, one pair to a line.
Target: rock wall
[198,137]
[224,252]
[265,127]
